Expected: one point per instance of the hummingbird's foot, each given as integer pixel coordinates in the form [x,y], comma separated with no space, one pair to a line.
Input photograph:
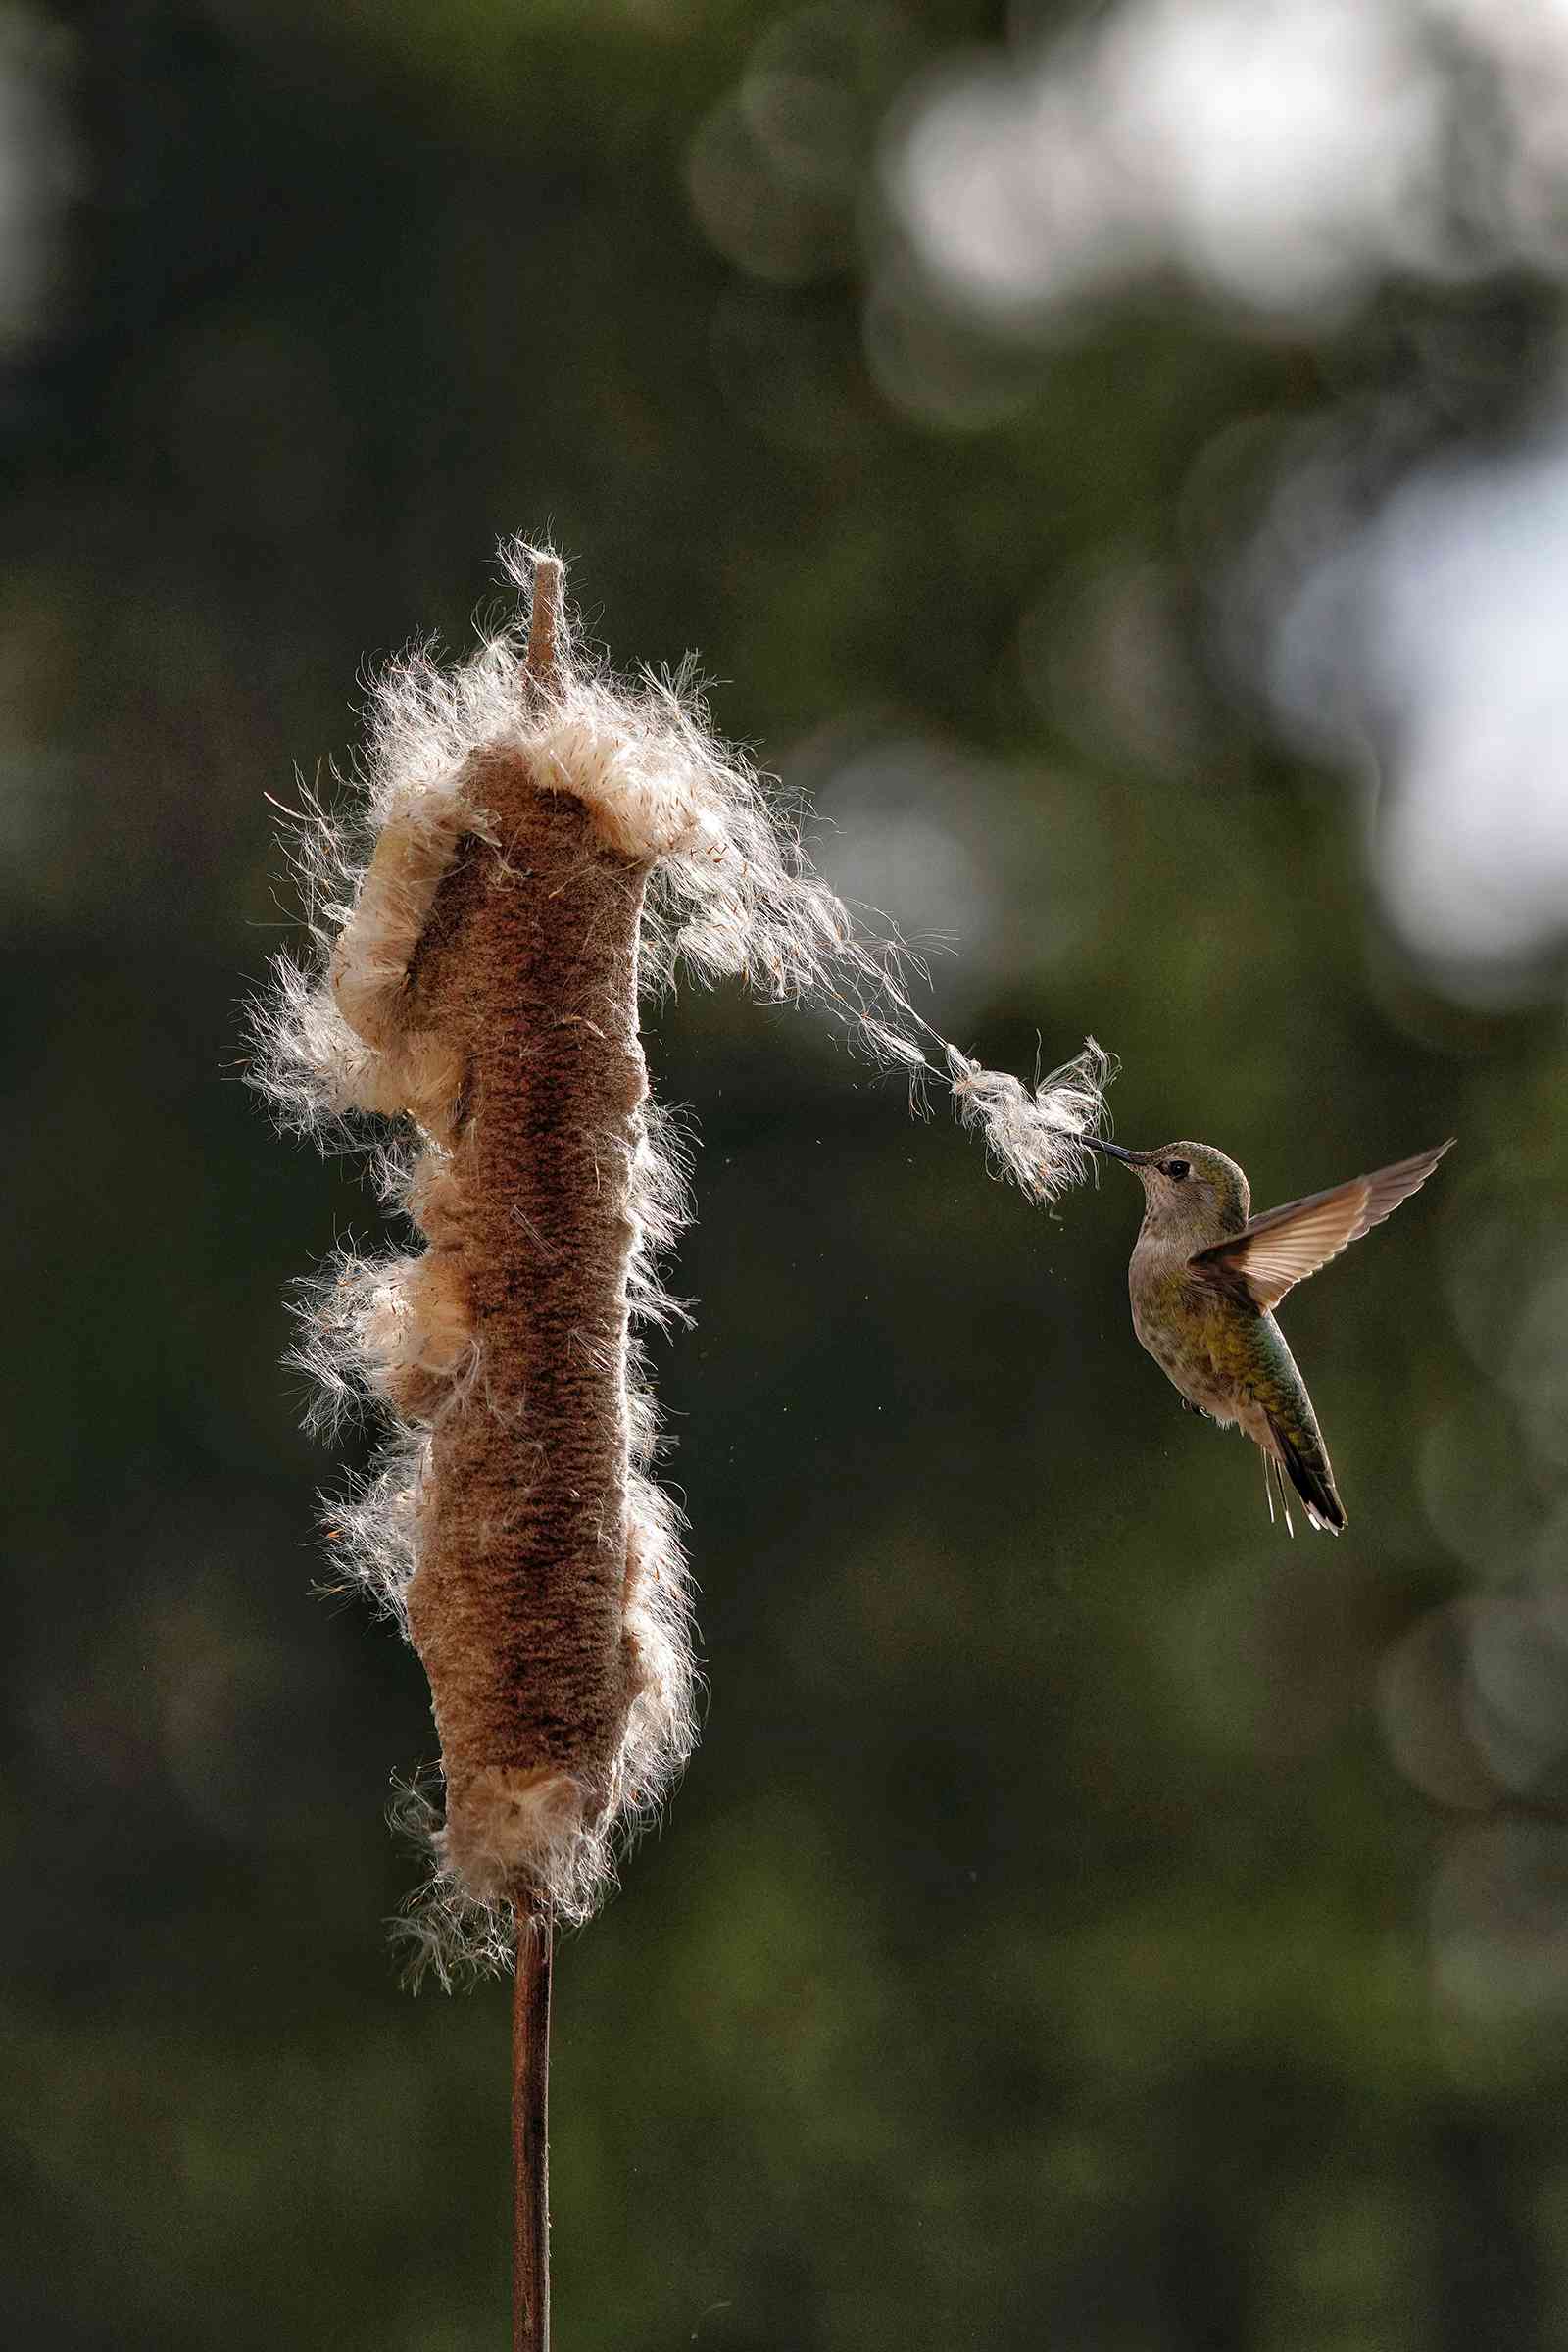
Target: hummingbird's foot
[1188,1406]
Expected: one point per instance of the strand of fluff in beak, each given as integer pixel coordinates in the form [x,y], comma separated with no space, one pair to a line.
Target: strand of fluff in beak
[536,842]
[1034,1135]
[730,892]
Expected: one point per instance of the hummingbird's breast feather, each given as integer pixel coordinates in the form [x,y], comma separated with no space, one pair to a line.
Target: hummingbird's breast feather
[1204,1342]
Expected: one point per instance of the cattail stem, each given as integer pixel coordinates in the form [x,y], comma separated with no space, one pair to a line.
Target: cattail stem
[530,2128]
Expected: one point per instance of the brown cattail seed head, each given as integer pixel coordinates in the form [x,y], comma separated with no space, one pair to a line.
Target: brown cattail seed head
[528,969]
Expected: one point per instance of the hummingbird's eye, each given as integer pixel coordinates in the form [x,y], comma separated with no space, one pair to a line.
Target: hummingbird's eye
[1176,1169]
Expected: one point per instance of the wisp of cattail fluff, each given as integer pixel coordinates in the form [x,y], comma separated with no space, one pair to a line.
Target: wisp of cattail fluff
[1034,1135]
[533,843]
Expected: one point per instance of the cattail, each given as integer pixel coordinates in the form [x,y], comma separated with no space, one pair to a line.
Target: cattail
[540,843]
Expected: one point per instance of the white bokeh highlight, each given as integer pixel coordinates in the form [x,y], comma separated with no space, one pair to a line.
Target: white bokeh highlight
[1434,637]
[1283,162]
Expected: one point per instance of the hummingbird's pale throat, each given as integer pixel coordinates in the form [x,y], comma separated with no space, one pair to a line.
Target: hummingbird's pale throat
[1207,1276]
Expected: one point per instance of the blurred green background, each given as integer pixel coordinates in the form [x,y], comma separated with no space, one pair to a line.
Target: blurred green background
[1116,461]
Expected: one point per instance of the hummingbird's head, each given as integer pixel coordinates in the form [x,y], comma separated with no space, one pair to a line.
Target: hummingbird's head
[1192,1192]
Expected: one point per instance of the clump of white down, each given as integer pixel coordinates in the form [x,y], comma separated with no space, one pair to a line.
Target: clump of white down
[1033,1134]
[731,893]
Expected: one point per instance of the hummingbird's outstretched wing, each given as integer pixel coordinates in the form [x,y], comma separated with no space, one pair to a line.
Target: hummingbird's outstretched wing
[1281,1247]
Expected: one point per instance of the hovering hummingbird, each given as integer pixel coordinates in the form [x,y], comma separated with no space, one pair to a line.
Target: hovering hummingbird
[1206,1279]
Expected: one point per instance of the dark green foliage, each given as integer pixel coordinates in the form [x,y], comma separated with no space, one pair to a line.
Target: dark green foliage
[1039,1949]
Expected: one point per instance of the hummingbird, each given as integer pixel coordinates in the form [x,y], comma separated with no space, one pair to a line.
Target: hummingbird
[1205,1278]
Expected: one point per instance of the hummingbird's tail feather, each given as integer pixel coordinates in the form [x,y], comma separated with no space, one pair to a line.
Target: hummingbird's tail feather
[1312,1480]
[1274,1483]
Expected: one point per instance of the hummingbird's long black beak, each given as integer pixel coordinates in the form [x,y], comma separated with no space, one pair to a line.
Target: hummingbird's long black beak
[1132,1159]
